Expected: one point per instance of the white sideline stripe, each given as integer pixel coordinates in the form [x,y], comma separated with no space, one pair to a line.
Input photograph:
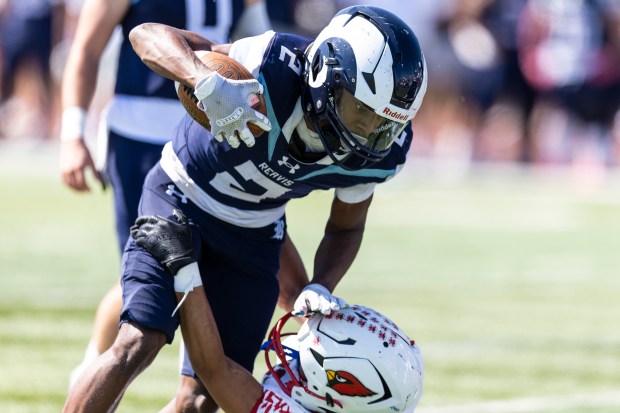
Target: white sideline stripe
[531,404]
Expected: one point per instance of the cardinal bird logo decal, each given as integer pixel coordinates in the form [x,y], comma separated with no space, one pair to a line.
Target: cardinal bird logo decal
[347,384]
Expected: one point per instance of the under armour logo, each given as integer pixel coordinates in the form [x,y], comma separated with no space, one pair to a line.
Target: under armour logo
[292,168]
[172,192]
[278,229]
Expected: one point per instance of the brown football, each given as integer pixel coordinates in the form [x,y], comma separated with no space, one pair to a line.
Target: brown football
[229,68]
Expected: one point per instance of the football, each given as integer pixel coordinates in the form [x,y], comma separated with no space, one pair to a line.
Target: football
[228,68]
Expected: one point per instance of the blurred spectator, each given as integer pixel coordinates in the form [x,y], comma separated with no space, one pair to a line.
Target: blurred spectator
[311,16]
[570,52]
[495,100]
[304,17]
[420,15]
[29,29]
[435,137]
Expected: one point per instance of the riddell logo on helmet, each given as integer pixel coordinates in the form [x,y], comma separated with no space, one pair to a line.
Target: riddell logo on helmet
[395,115]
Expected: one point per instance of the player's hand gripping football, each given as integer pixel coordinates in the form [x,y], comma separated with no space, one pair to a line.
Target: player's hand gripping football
[315,298]
[170,243]
[227,104]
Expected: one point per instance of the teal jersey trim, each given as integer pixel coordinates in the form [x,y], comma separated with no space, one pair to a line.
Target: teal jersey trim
[274,133]
[333,169]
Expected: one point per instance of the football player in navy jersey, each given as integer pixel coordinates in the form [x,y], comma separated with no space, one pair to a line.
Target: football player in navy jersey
[352,360]
[339,113]
[142,114]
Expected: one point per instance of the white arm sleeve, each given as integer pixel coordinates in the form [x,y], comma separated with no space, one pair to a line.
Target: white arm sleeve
[355,194]
[250,51]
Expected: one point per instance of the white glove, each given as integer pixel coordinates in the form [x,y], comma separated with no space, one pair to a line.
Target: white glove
[229,109]
[317,299]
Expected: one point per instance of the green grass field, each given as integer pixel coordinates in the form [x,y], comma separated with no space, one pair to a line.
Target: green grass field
[508,281]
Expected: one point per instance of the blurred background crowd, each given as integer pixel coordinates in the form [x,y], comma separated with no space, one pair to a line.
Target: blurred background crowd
[532,82]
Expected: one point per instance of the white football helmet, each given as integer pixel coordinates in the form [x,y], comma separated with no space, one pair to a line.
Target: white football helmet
[369,54]
[353,360]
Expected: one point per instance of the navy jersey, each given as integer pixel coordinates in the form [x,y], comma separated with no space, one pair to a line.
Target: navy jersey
[251,186]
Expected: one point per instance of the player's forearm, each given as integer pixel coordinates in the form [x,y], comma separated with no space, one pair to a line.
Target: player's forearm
[292,276]
[170,52]
[97,21]
[335,254]
[234,389]
[223,377]
[341,242]
[200,333]
[79,80]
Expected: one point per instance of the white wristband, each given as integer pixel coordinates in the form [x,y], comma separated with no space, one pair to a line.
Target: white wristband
[185,281]
[73,123]
[187,278]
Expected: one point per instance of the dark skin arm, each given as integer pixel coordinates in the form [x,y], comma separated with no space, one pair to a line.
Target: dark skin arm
[170,52]
[292,276]
[221,375]
[232,387]
[341,242]
[169,241]
[97,21]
